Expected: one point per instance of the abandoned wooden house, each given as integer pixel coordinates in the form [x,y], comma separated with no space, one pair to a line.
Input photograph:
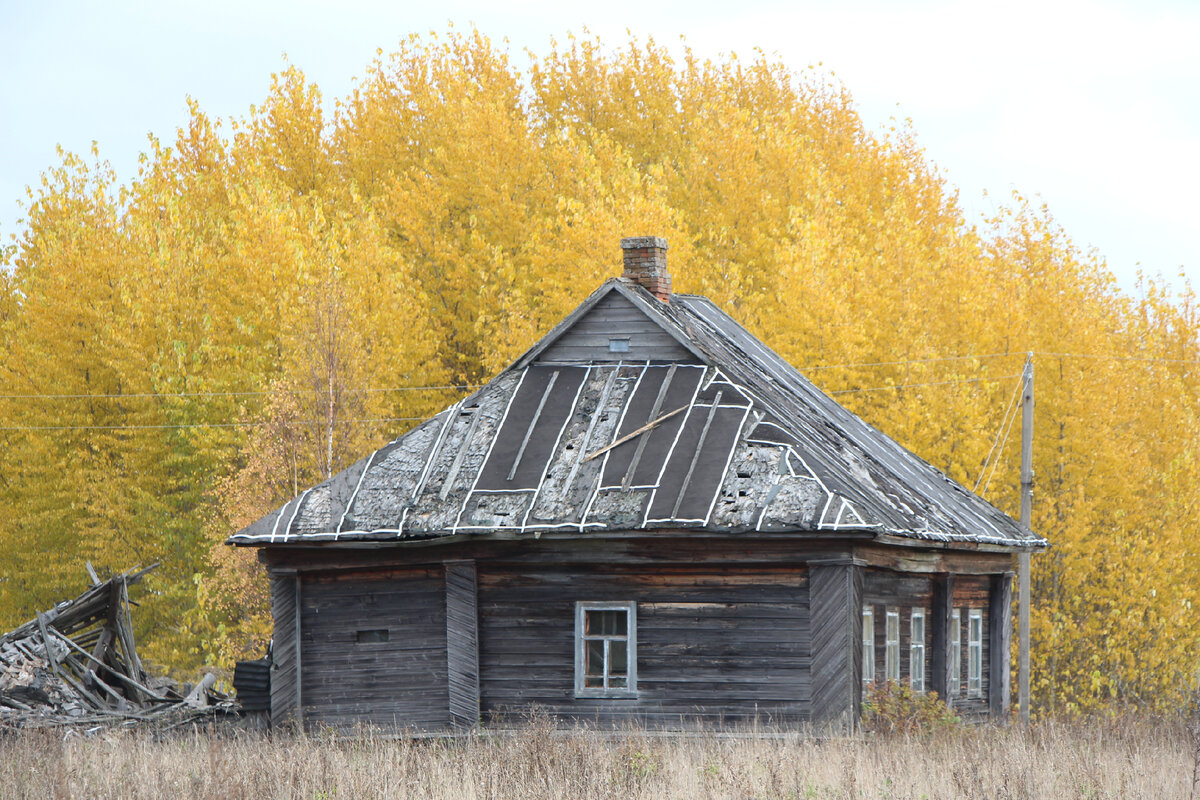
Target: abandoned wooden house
[650,517]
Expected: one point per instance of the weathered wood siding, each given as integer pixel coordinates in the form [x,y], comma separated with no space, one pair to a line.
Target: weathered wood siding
[940,623]
[615,317]
[462,644]
[283,649]
[712,645]
[1000,639]
[348,679]
[835,602]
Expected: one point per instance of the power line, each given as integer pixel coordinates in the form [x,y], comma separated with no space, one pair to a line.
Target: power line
[1122,358]
[936,383]
[910,361]
[458,387]
[246,394]
[200,425]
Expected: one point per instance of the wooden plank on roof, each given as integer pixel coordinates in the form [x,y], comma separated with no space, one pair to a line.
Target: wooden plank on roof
[654,409]
[463,448]
[687,478]
[533,424]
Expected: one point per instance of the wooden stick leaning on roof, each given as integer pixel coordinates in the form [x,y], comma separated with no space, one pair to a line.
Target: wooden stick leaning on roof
[638,432]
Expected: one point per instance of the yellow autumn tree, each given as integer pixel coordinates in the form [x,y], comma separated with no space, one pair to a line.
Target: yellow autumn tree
[272,296]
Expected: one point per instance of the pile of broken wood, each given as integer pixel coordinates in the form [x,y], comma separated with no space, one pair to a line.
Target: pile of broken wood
[77,664]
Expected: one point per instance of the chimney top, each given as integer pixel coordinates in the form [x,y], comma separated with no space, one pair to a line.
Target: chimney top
[646,265]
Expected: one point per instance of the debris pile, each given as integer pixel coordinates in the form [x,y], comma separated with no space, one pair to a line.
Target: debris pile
[77,664]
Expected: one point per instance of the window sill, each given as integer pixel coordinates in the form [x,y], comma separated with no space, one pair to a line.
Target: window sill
[606,694]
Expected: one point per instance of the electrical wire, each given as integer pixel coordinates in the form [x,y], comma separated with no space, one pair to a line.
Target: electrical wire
[996,463]
[1121,358]
[201,425]
[935,383]
[910,361]
[229,394]
[1010,408]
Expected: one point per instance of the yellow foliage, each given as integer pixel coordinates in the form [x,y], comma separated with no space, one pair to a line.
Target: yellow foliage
[271,297]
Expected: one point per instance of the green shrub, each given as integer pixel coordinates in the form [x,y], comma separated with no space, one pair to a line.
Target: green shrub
[891,708]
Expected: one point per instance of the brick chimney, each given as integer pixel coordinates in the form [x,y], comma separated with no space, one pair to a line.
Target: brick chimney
[646,265]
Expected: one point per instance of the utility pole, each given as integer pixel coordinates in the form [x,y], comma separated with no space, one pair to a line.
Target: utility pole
[1027,524]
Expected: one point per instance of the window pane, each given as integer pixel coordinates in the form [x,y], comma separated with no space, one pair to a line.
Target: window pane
[605,623]
[618,683]
[595,657]
[617,661]
[868,645]
[593,682]
[892,646]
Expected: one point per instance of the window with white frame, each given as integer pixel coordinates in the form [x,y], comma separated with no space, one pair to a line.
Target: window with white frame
[955,652]
[605,649]
[916,650]
[891,650]
[974,652]
[868,645]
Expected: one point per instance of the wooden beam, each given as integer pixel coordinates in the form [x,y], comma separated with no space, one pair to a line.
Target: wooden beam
[835,610]
[1023,558]
[299,694]
[943,605]
[696,456]
[638,432]
[1000,645]
[463,447]
[605,393]
[462,644]
[532,424]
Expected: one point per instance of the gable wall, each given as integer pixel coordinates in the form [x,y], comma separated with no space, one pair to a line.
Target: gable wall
[615,317]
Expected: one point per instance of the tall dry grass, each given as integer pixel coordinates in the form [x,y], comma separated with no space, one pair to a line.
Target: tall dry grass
[1128,759]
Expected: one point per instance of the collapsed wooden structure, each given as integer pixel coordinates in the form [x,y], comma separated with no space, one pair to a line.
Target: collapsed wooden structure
[649,516]
[77,664]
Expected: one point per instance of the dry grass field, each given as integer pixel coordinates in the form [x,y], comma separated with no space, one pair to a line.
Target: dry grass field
[1128,759]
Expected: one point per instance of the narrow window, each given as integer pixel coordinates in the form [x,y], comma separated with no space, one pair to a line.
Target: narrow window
[868,644]
[605,649]
[975,653]
[955,652]
[916,650]
[374,635]
[891,652]
[618,345]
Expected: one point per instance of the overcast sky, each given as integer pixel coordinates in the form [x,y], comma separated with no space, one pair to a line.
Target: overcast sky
[1093,106]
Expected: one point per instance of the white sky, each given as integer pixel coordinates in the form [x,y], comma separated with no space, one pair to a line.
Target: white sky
[1093,106]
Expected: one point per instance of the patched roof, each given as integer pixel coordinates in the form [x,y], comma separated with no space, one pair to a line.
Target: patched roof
[724,436]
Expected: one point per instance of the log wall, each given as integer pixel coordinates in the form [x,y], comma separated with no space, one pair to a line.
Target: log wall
[728,628]
[712,647]
[373,647]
